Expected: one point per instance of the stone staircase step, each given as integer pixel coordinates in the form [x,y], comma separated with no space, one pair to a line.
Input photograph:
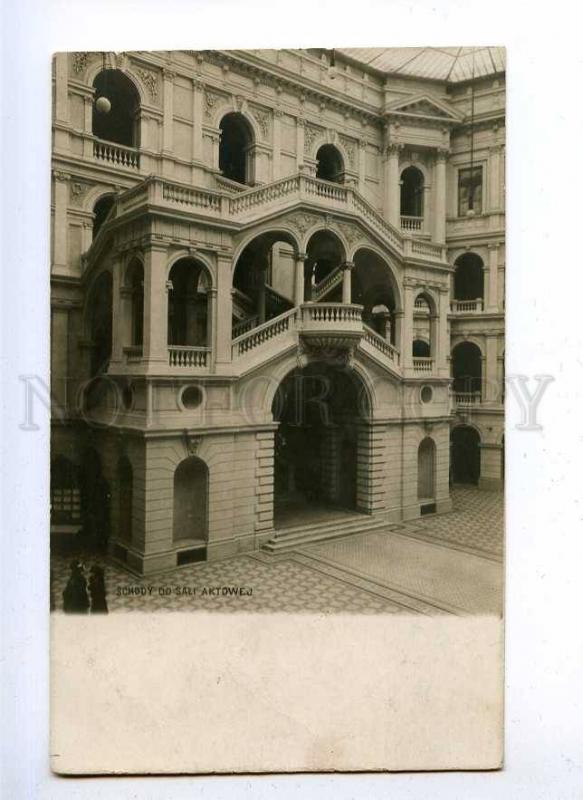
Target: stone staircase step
[301,535]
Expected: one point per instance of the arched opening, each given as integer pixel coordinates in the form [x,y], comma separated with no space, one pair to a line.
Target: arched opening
[465,455]
[65,492]
[424,327]
[95,501]
[191,501]
[263,281]
[374,287]
[188,304]
[330,166]
[101,210]
[100,323]
[426,470]
[135,286]
[236,140]
[125,477]
[320,410]
[412,191]
[322,268]
[466,366]
[421,349]
[121,123]
[468,282]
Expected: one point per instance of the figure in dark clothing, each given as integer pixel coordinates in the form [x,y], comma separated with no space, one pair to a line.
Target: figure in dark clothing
[97,590]
[75,597]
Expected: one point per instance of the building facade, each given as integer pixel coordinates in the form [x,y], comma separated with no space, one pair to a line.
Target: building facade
[277,287]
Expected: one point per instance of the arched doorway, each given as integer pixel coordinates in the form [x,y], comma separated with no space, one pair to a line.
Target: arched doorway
[374,287]
[330,166]
[320,410]
[325,256]
[235,156]
[468,282]
[465,455]
[412,190]
[190,520]
[121,123]
[125,476]
[466,365]
[188,304]
[95,501]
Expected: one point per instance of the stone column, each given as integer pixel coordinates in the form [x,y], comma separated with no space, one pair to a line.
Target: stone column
[392,185]
[60,222]
[117,316]
[168,123]
[88,101]
[398,315]
[300,125]
[407,327]
[492,289]
[224,309]
[155,306]
[362,165]
[442,351]
[198,98]
[299,279]
[276,163]
[495,203]
[211,322]
[347,268]
[440,196]
[491,389]
[385,320]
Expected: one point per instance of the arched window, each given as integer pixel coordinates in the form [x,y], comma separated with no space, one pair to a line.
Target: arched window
[468,282]
[119,124]
[425,327]
[465,454]
[125,487]
[325,256]
[412,190]
[65,493]
[375,288]
[100,211]
[466,365]
[421,349]
[188,304]
[426,470]
[135,284]
[190,500]
[235,148]
[330,166]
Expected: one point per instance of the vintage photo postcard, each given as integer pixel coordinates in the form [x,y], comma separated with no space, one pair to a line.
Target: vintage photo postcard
[277,372]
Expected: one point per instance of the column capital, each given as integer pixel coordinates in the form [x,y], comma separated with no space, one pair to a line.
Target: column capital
[394,149]
[168,74]
[347,265]
[62,177]
[301,256]
[493,245]
[442,154]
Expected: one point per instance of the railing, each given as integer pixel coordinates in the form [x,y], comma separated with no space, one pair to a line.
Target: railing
[133,352]
[198,198]
[262,333]
[244,325]
[423,364]
[263,194]
[418,248]
[421,305]
[331,313]
[276,301]
[377,222]
[330,191]
[242,301]
[116,154]
[377,341]
[411,223]
[328,283]
[185,356]
[468,398]
[465,306]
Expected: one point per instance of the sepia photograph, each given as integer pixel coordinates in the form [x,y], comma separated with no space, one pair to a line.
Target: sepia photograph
[277,331]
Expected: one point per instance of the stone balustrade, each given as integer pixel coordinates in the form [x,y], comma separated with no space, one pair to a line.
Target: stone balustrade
[263,333]
[467,306]
[185,356]
[379,343]
[423,364]
[116,154]
[414,224]
[467,398]
[333,279]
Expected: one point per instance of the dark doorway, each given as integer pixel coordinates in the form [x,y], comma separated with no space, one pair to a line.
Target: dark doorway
[468,283]
[318,409]
[466,364]
[190,501]
[465,455]
[329,164]
[95,502]
[236,139]
[121,123]
[412,192]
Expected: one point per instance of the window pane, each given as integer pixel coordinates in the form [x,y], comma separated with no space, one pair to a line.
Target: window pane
[465,188]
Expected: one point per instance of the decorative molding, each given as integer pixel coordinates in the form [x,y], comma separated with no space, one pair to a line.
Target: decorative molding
[211,99]
[192,443]
[303,221]
[80,61]
[311,133]
[62,177]
[263,120]
[349,146]
[351,233]
[78,190]
[150,81]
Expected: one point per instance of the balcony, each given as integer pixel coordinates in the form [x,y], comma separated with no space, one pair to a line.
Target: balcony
[412,224]
[467,306]
[467,399]
[116,155]
[423,365]
[189,357]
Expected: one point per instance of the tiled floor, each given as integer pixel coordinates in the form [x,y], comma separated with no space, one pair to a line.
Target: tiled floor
[447,563]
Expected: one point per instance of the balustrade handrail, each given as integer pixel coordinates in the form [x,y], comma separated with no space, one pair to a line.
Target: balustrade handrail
[381,343]
[331,280]
[188,348]
[476,304]
[116,153]
[422,364]
[265,325]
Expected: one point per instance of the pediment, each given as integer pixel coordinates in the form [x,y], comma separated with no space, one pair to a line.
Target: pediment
[425,106]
